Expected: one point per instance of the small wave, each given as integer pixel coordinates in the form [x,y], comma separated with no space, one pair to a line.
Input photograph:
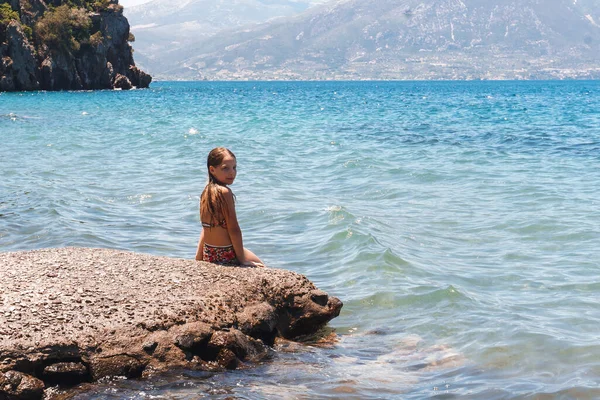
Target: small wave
[447,295]
[352,163]
[351,240]
[15,117]
[139,198]
[338,214]
[409,357]
[10,116]
[580,149]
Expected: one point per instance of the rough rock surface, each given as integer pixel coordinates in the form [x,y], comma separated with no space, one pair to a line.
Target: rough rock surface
[105,64]
[76,315]
[18,66]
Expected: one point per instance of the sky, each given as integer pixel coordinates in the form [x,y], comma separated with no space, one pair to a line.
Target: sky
[130,3]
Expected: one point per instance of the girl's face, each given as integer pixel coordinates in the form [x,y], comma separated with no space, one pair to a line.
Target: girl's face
[226,172]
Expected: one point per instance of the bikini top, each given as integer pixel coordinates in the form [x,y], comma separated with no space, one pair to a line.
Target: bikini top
[222,224]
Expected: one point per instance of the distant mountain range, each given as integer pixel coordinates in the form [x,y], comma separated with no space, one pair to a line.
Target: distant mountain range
[163,25]
[373,39]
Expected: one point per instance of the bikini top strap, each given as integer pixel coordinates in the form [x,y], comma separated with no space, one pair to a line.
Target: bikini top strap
[222,224]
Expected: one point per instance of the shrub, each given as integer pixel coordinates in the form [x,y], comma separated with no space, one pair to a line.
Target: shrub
[116,7]
[87,4]
[7,14]
[96,39]
[26,5]
[101,5]
[81,23]
[28,31]
[63,28]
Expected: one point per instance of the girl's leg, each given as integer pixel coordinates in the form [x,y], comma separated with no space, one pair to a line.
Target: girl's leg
[250,256]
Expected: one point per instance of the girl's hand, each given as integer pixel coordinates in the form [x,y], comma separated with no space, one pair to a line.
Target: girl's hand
[254,264]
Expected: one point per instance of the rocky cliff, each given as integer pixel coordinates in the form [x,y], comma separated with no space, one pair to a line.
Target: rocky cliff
[75,315]
[66,45]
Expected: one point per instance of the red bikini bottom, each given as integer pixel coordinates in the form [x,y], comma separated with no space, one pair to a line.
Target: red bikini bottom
[224,255]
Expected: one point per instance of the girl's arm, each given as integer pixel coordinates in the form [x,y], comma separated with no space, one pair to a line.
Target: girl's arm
[233,228]
[200,246]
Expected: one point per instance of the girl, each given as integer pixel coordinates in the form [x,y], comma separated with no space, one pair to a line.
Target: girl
[221,237]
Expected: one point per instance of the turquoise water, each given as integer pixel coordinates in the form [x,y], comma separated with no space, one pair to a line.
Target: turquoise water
[458,221]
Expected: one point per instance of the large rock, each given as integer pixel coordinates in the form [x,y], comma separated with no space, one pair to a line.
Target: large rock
[17,385]
[115,30]
[138,77]
[76,315]
[18,67]
[59,72]
[122,82]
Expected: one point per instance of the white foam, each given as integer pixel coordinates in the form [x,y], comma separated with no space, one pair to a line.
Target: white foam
[591,19]
[139,198]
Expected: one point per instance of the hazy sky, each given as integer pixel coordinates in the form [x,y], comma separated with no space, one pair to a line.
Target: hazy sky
[129,3]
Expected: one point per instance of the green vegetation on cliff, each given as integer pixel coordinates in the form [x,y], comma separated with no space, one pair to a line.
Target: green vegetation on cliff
[64,28]
[7,14]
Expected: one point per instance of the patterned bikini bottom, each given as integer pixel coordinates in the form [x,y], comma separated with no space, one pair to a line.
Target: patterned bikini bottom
[224,255]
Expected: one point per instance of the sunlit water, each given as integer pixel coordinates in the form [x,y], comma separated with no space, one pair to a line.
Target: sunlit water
[458,222]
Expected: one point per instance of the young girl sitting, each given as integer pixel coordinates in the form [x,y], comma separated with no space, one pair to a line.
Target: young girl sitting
[221,237]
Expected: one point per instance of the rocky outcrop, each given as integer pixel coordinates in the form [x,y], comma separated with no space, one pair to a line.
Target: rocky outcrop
[76,315]
[97,59]
[17,61]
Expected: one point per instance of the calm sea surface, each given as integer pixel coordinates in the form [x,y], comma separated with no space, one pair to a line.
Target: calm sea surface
[458,222]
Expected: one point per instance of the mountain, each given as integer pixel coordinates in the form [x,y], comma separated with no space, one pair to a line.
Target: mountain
[403,39]
[163,24]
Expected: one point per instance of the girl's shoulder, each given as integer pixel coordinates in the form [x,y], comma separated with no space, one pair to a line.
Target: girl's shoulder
[225,191]
[220,188]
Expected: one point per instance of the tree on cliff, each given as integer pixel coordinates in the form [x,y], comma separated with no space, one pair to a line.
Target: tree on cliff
[66,45]
[7,14]
[64,28]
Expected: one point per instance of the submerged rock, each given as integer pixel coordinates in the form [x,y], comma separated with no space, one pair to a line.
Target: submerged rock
[77,315]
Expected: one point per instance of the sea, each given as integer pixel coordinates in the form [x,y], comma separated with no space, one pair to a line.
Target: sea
[459,222]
